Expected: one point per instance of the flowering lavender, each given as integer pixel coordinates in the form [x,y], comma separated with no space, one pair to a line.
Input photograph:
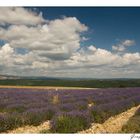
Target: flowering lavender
[70,122]
[36,116]
[73,108]
[9,121]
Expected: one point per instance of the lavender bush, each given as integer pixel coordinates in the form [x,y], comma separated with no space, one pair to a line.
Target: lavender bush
[70,122]
[66,108]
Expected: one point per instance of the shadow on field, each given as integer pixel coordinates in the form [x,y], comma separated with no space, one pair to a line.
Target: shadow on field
[133,124]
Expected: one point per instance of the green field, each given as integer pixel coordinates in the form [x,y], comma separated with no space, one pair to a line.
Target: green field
[87,83]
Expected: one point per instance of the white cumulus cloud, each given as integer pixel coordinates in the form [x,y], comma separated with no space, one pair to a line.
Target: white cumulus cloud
[18,15]
[123,45]
[53,48]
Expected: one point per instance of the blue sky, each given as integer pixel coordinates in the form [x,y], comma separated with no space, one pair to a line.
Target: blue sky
[97,42]
[106,25]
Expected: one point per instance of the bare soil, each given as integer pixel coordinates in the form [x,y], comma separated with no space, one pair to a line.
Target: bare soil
[31,129]
[113,124]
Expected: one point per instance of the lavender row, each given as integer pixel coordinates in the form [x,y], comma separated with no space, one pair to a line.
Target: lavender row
[33,106]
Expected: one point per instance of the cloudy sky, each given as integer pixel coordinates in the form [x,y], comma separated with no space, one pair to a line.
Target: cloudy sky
[70,42]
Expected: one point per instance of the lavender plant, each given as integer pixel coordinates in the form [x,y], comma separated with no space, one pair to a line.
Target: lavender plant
[69,110]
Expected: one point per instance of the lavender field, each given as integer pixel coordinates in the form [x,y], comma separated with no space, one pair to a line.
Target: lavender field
[69,110]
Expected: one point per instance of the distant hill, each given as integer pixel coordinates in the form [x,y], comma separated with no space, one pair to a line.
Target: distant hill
[59,82]
[2,77]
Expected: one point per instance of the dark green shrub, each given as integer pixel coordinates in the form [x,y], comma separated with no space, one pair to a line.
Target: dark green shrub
[100,116]
[35,117]
[18,109]
[132,126]
[70,122]
[8,122]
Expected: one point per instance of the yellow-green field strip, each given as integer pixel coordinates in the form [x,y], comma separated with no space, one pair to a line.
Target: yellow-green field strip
[43,87]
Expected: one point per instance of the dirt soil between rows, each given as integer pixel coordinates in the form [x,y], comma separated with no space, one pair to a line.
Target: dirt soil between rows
[113,124]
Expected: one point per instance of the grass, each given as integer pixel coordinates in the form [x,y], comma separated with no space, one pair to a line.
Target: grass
[14,119]
[10,122]
[16,109]
[69,124]
[36,119]
[133,125]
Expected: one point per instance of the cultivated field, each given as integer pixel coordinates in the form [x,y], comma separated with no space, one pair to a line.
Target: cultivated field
[59,110]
